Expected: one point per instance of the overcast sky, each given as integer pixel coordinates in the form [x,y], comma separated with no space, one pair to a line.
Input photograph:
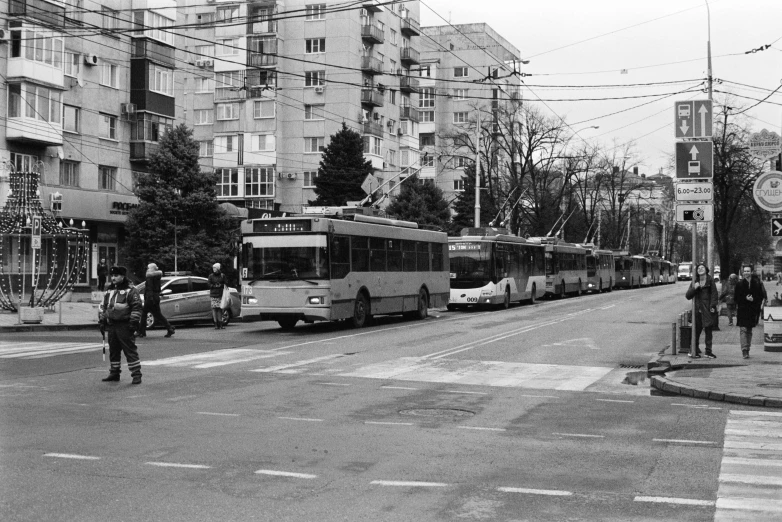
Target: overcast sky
[590,42]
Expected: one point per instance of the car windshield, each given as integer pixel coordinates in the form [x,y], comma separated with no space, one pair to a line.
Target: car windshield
[286,258]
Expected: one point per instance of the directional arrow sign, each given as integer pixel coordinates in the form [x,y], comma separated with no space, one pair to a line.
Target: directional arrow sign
[694,160]
[693,119]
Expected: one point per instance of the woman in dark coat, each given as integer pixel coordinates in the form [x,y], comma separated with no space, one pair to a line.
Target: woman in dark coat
[749,298]
[704,292]
[216,284]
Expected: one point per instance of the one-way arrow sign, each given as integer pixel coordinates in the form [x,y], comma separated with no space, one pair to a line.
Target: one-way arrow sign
[693,119]
[694,160]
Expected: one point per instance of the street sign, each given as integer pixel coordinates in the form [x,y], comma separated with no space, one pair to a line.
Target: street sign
[693,119]
[694,160]
[370,184]
[695,213]
[776,227]
[703,191]
[764,144]
[768,191]
[36,233]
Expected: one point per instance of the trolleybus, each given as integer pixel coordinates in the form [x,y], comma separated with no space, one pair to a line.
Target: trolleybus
[627,271]
[316,268]
[488,268]
[566,270]
[600,269]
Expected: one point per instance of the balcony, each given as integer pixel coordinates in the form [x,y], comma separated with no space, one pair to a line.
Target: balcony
[141,151]
[262,60]
[410,27]
[372,6]
[372,34]
[408,84]
[372,97]
[408,112]
[262,27]
[223,94]
[40,10]
[410,56]
[371,65]
[373,128]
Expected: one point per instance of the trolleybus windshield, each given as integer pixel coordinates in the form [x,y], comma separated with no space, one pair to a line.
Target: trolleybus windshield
[286,257]
[470,264]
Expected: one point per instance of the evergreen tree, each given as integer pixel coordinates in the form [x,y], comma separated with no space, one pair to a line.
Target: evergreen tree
[422,203]
[342,169]
[464,205]
[175,190]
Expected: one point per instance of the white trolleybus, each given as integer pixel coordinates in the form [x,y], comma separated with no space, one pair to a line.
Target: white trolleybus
[566,267]
[493,269]
[317,268]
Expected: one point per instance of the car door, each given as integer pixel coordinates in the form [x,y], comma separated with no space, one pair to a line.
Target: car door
[173,299]
[202,308]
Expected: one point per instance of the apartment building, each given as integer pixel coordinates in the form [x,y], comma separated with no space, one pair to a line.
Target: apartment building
[463,68]
[267,82]
[90,89]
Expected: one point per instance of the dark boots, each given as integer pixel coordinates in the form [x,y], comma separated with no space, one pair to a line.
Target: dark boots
[170,332]
[112,377]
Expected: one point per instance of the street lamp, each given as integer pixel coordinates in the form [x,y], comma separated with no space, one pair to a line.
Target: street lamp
[178,193]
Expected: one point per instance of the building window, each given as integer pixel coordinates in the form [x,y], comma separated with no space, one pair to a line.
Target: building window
[23,162]
[393,37]
[154,25]
[391,158]
[205,148]
[227,14]
[38,47]
[262,204]
[313,144]
[107,126]
[203,84]
[460,117]
[315,45]
[72,64]
[263,142]
[204,51]
[313,112]
[426,160]
[232,80]
[426,98]
[203,116]
[313,78]
[460,94]
[205,18]
[69,173]
[108,75]
[223,144]
[227,111]
[425,71]
[228,47]
[316,12]
[34,102]
[460,72]
[373,145]
[161,80]
[426,139]
[426,116]
[458,185]
[309,178]
[227,182]
[263,109]
[71,118]
[110,19]
[259,181]
[107,178]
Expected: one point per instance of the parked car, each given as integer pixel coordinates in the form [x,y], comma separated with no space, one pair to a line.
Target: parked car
[186,298]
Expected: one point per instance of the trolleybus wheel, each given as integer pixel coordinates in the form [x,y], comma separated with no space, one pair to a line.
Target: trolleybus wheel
[451,307]
[578,292]
[506,301]
[600,287]
[562,290]
[422,308]
[288,323]
[360,311]
[610,285]
[533,298]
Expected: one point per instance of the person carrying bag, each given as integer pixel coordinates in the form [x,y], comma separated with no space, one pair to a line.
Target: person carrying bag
[703,291]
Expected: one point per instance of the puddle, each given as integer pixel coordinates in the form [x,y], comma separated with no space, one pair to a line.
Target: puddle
[636,378]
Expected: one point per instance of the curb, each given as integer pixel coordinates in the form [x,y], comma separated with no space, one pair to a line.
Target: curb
[47,327]
[662,383]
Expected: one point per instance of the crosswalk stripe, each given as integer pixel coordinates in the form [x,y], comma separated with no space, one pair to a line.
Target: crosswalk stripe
[39,350]
[750,480]
[214,358]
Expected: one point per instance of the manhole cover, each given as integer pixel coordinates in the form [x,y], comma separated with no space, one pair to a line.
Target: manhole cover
[770,385]
[437,412]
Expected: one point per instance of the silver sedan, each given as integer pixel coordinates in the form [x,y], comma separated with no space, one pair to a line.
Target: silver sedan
[186,298]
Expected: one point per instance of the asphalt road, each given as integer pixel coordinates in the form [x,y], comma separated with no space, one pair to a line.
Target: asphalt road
[539,412]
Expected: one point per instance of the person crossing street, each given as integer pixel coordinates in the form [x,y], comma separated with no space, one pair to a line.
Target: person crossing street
[152,302]
[119,314]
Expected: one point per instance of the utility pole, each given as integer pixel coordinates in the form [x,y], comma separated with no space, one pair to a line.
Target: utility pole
[478,171]
[710,229]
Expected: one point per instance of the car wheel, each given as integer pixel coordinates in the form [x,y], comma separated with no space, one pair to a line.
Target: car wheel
[150,320]
[227,316]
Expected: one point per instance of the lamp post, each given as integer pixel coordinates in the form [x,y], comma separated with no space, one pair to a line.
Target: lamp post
[710,225]
[178,193]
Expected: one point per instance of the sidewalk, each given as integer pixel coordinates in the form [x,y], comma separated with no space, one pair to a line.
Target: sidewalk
[75,316]
[756,381]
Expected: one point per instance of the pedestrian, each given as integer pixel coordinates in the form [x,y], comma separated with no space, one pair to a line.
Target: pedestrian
[749,296]
[103,272]
[764,302]
[779,278]
[728,296]
[152,302]
[120,313]
[704,293]
[216,285]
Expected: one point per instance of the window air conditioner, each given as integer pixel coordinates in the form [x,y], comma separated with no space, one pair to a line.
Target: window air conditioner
[319,89]
[4,36]
[128,109]
[199,63]
[208,63]
[399,132]
[291,175]
[91,59]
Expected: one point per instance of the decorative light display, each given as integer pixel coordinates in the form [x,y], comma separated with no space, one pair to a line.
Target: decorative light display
[36,277]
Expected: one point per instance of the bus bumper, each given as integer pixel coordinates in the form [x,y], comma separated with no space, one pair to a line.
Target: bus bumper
[308,314]
[471,297]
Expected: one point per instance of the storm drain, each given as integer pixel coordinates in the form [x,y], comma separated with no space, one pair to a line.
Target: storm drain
[632,366]
[437,412]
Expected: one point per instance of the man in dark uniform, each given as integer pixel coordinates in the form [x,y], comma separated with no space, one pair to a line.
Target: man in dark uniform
[120,313]
[152,302]
[103,271]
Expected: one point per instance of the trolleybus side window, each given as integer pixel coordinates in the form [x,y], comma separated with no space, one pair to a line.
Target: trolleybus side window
[438,257]
[422,256]
[377,254]
[340,257]
[408,256]
[359,254]
[394,254]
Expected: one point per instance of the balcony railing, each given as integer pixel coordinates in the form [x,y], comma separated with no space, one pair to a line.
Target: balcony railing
[372,34]
[408,112]
[410,27]
[371,65]
[46,12]
[262,27]
[262,60]
[229,93]
[372,97]
[410,55]
[373,128]
[408,84]
[142,150]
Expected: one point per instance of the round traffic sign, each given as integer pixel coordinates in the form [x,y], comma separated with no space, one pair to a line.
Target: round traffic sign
[768,191]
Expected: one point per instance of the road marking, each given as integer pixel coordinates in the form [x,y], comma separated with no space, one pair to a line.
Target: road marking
[528,491]
[587,342]
[679,441]
[39,350]
[276,473]
[303,419]
[398,388]
[218,414]
[334,384]
[540,396]
[390,423]
[488,340]
[614,400]
[285,367]
[751,479]
[480,428]
[214,358]
[584,435]
[466,392]
[175,465]
[674,500]
[71,456]
[411,484]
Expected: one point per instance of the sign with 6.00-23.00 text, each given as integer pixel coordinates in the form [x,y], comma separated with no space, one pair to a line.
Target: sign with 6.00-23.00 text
[694,191]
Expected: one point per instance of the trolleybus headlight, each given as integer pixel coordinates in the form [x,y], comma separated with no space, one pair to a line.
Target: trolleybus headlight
[317,300]
[251,300]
